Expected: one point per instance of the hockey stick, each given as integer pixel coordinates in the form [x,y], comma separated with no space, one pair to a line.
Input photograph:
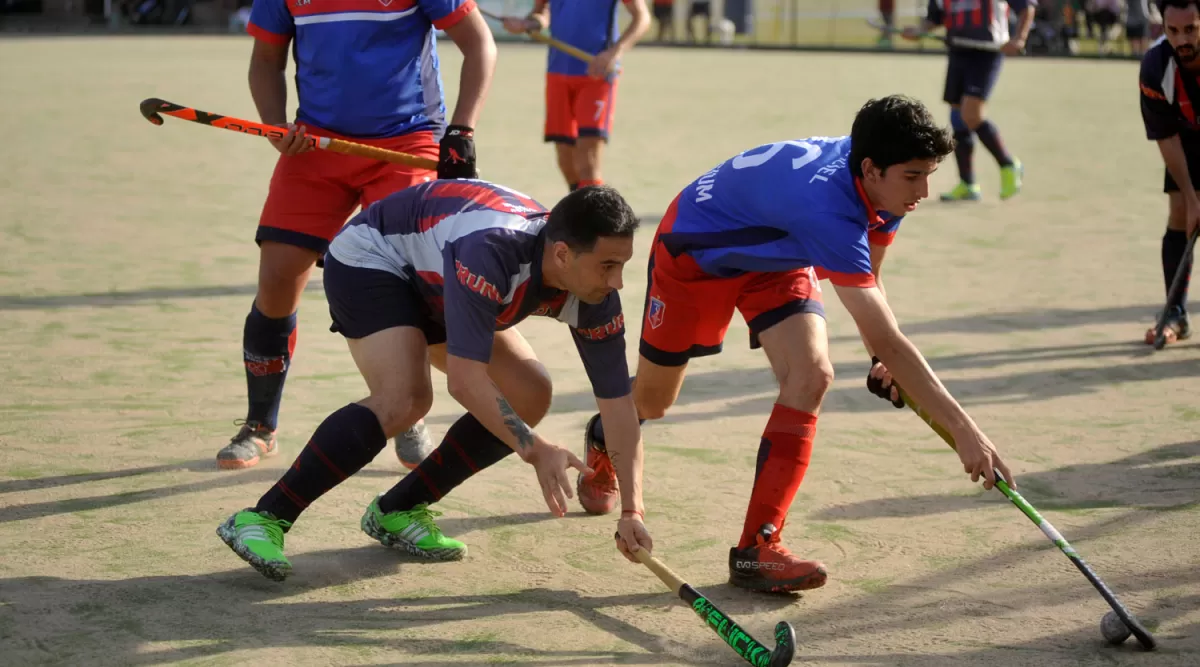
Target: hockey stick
[1178,284]
[152,107]
[962,42]
[1143,635]
[547,40]
[738,639]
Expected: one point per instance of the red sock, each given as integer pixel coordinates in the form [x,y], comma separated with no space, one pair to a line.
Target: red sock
[782,461]
[585,183]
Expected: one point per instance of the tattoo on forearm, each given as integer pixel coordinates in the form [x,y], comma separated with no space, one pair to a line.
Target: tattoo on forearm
[515,425]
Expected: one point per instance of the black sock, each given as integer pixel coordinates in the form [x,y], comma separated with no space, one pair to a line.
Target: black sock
[345,442]
[267,346]
[989,136]
[467,448]
[596,432]
[964,149]
[1174,245]
[573,186]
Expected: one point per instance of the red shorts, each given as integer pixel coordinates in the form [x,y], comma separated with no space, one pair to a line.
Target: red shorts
[688,310]
[578,106]
[312,194]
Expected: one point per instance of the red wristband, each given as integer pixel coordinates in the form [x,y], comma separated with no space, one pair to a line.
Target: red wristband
[640,513]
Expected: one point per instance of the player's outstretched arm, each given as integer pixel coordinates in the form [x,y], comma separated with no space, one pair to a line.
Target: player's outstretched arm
[474,39]
[468,382]
[910,370]
[623,441]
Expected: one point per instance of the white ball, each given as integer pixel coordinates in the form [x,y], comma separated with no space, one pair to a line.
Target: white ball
[1114,629]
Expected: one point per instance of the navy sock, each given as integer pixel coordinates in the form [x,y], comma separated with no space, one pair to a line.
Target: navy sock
[1174,245]
[989,136]
[597,432]
[467,448]
[345,442]
[964,147]
[267,346]
[573,186]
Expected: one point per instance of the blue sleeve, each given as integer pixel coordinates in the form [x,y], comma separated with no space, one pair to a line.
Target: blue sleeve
[271,21]
[475,282]
[934,12]
[600,340]
[445,13]
[842,254]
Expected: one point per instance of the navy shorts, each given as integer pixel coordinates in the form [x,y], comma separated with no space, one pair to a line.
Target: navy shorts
[1191,150]
[365,301]
[971,72]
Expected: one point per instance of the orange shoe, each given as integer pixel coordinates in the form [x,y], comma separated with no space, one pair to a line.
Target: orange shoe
[252,443]
[598,494]
[768,566]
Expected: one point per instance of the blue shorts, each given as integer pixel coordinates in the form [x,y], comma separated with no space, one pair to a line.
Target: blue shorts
[971,72]
[366,301]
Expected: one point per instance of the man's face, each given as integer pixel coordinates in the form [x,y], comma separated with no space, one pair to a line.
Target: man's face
[1182,27]
[901,187]
[592,276]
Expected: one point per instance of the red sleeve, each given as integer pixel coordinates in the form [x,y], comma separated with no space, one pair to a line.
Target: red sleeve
[267,36]
[846,279]
[450,20]
[877,237]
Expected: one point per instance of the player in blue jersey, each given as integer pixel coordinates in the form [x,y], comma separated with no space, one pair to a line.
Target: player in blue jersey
[438,275]
[970,77]
[755,234]
[1170,90]
[367,71]
[581,98]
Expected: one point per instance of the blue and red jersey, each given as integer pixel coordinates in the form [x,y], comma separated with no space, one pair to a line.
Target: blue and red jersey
[982,20]
[473,251]
[364,68]
[779,207]
[590,25]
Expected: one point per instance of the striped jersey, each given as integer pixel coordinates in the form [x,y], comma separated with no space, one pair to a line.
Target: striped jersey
[473,251]
[1168,93]
[364,68]
[983,20]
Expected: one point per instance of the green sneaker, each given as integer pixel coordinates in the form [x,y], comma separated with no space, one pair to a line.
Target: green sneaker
[964,192]
[258,538]
[1010,179]
[414,531]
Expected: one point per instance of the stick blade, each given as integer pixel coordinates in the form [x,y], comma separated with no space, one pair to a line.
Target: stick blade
[785,645]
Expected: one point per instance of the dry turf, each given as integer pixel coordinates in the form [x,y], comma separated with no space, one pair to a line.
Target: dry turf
[128,268]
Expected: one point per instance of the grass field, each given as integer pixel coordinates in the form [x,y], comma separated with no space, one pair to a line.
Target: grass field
[129,268]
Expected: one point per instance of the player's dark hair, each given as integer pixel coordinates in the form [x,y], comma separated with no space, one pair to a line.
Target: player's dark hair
[895,129]
[1177,4]
[590,213]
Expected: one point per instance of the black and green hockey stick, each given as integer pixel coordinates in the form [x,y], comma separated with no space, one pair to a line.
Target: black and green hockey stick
[738,639]
[1143,635]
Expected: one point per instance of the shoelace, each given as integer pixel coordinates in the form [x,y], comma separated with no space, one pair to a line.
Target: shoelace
[274,529]
[424,517]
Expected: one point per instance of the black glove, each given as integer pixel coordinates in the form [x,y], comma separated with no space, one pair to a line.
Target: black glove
[456,157]
[875,386]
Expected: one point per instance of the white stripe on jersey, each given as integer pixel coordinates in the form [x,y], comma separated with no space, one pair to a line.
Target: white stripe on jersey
[1168,82]
[339,17]
[570,311]
[365,247]
[999,26]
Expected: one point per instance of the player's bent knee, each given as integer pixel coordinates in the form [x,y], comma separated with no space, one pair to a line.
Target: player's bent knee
[537,394]
[398,411]
[282,272]
[806,390]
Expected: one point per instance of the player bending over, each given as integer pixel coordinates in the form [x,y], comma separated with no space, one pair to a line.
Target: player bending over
[438,275]
[755,233]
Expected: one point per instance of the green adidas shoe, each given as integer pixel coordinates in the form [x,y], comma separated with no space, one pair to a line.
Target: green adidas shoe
[964,192]
[258,538]
[414,531]
[1010,179]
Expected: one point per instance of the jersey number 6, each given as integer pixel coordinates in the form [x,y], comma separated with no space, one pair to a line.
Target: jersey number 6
[811,152]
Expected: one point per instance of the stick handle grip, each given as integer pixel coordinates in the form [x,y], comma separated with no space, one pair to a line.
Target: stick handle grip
[672,580]
[376,153]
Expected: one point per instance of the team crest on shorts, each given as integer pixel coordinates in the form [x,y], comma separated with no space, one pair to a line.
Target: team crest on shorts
[655,315]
